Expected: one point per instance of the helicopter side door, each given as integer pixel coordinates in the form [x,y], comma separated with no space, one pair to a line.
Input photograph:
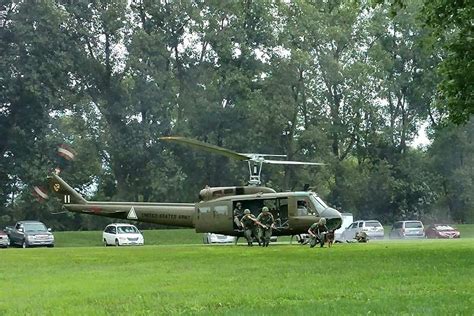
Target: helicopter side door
[301,212]
[213,217]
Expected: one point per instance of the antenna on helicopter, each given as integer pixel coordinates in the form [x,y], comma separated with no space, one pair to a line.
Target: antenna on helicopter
[255,161]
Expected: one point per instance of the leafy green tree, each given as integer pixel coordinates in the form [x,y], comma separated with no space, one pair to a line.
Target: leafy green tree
[452,21]
[405,57]
[328,81]
[34,82]
[452,155]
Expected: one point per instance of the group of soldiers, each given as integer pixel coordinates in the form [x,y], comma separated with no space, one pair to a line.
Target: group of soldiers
[259,227]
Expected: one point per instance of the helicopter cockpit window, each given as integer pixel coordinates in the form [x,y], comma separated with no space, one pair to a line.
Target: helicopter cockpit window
[318,204]
[305,207]
[302,207]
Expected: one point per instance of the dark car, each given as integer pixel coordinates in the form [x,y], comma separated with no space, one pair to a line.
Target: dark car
[442,231]
[30,233]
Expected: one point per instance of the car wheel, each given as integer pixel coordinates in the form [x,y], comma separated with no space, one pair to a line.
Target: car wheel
[50,246]
[24,244]
[105,242]
[117,243]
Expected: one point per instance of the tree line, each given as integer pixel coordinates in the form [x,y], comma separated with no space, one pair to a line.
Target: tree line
[340,82]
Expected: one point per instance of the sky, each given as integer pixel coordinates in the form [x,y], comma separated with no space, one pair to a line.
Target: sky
[422,138]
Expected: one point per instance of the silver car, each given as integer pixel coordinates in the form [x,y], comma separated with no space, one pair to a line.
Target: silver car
[372,228]
[407,229]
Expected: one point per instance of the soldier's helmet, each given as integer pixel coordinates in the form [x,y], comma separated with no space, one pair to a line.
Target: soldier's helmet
[322,221]
[247,211]
[238,204]
[265,209]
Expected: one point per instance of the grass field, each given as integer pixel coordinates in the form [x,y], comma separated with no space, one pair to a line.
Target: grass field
[433,277]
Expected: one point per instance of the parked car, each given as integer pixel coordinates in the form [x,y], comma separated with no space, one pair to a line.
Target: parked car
[4,240]
[347,219]
[407,229]
[122,234]
[372,228]
[29,234]
[441,231]
[211,238]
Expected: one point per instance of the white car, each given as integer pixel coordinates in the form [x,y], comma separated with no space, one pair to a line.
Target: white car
[347,219]
[211,238]
[122,234]
[4,241]
[372,228]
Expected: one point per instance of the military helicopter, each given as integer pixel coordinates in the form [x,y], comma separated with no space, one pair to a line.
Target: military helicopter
[294,212]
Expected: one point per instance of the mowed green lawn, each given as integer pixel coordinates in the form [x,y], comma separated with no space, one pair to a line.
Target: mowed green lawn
[426,277]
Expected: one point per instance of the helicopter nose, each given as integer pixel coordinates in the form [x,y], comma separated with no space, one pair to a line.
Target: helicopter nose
[333,218]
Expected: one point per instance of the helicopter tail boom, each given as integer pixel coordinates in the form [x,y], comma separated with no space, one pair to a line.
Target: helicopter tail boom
[64,191]
[172,214]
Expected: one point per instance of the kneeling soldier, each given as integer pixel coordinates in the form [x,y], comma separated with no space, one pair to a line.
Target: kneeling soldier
[266,220]
[361,237]
[249,223]
[317,231]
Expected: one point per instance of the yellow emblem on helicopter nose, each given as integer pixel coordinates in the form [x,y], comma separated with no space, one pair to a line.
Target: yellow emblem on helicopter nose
[56,187]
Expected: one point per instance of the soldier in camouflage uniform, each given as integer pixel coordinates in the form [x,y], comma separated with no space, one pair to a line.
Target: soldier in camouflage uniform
[238,213]
[266,224]
[317,232]
[249,223]
[361,237]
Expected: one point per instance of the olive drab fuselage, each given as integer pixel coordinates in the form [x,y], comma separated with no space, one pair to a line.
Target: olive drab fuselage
[216,215]
[293,212]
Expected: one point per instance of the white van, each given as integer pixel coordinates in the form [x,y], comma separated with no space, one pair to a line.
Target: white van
[122,234]
[407,229]
[347,219]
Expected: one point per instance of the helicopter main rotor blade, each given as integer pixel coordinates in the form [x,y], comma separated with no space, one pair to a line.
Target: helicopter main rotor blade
[263,155]
[289,162]
[207,147]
